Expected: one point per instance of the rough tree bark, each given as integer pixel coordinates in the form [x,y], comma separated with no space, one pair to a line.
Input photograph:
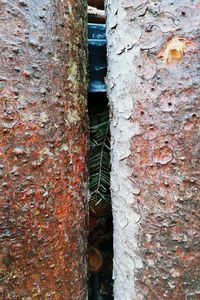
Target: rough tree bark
[153,86]
[43,147]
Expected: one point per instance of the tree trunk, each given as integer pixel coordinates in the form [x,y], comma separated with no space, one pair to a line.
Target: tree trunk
[153,86]
[43,149]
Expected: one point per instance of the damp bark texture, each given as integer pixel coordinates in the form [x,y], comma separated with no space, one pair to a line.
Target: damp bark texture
[43,146]
[153,86]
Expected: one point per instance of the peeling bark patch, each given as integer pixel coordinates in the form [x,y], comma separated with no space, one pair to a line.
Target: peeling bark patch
[162,155]
[174,50]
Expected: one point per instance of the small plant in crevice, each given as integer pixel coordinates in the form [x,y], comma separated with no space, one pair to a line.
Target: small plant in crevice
[100,243]
[99,162]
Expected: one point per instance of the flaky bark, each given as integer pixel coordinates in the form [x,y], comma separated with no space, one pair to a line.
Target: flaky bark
[153,85]
[42,149]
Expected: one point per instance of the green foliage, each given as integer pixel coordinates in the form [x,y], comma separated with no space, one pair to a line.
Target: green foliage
[99,161]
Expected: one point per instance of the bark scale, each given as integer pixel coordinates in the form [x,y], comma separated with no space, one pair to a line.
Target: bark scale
[43,146]
[153,86]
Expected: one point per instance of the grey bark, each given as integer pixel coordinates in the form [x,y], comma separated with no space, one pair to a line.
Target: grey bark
[153,83]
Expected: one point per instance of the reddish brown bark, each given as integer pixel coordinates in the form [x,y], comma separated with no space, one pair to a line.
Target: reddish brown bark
[43,148]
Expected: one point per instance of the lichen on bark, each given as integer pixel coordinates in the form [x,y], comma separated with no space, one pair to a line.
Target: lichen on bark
[42,154]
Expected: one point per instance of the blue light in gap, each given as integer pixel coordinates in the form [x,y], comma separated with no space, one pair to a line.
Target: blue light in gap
[97,57]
